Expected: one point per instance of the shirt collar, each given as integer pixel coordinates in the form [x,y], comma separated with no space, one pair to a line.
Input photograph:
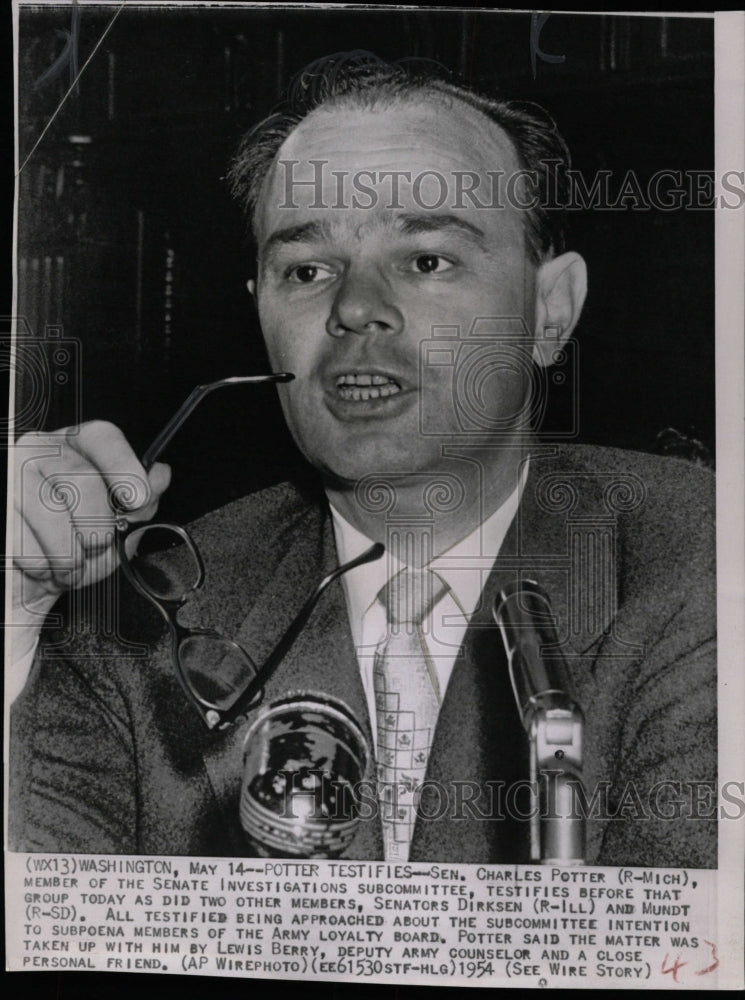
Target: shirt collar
[464,566]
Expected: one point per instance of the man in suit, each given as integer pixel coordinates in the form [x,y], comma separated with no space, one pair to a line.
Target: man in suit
[394,266]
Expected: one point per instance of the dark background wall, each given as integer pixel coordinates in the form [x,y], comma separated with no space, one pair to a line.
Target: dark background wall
[130,244]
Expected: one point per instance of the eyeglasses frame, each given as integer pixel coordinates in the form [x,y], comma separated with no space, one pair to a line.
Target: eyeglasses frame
[252,695]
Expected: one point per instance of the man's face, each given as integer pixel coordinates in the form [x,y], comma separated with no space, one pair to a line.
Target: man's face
[347,293]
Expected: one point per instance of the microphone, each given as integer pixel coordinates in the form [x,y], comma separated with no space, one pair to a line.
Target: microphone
[552,719]
[304,760]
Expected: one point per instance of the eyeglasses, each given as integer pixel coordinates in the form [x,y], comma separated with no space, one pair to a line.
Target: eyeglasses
[164,565]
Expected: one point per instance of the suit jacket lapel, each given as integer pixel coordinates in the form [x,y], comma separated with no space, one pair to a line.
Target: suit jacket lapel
[479,760]
[480,750]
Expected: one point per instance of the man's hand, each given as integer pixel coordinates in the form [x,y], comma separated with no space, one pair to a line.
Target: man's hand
[70,488]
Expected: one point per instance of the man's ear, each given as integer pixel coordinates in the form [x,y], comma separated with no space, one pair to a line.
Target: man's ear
[251,286]
[561,287]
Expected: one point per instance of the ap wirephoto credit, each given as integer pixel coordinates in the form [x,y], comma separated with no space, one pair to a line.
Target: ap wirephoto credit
[376,465]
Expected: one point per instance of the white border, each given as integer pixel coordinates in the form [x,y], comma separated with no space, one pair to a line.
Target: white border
[729,34]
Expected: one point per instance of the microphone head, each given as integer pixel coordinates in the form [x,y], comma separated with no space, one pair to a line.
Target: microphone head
[527,624]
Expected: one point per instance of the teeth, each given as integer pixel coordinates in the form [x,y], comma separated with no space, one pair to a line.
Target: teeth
[364,379]
[361,387]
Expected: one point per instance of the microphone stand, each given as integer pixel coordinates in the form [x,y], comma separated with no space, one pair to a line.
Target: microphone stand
[552,719]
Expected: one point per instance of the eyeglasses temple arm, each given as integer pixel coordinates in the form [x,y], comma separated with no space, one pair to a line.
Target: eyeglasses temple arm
[283,646]
[193,400]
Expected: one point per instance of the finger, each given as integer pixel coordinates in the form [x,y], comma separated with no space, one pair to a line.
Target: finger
[104,446]
[65,524]
[159,478]
[90,556]
[98,565]
[49,572]
[63,513]
[35,579]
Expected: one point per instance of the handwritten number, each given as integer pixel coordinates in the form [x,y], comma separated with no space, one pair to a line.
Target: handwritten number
[715,963]
[673,968]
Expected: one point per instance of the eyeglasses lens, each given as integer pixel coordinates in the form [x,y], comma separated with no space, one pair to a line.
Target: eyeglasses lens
[216,670]
[163,561]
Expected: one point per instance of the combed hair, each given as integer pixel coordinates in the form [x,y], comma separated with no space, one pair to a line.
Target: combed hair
[361,79]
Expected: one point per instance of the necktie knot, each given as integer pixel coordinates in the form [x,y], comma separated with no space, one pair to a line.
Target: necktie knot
[410,596]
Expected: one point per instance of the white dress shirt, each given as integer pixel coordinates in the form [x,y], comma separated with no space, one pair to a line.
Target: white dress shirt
[464,568]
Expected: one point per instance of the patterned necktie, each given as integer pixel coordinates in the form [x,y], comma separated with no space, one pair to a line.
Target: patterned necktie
[407,702]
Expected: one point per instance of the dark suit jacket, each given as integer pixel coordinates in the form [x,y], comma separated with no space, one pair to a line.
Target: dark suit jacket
[108,757]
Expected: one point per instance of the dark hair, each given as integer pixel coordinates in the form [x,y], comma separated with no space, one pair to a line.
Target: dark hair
[361,79]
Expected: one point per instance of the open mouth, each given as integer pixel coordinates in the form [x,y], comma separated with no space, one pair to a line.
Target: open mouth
[360,386]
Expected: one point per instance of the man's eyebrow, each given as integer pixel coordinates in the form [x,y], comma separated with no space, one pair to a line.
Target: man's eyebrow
[409,224]
[412,225]
[306,231]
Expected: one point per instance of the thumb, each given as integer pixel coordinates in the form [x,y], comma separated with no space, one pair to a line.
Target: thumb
[159,479]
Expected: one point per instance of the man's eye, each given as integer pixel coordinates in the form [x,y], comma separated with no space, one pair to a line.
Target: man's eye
[431,263]
[305,274]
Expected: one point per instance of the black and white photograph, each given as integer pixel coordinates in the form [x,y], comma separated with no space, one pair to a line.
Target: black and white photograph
[374,471]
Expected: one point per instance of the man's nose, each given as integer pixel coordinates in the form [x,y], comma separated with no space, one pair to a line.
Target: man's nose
[363,305]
